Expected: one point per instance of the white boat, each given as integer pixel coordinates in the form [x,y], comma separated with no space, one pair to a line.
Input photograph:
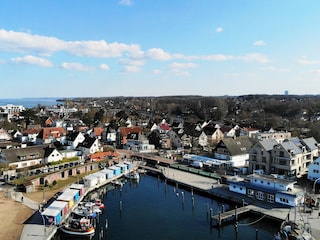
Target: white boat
[78,227]
[86,210]
[292,230]
[133,175]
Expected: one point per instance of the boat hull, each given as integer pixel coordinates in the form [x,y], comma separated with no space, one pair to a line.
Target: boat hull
[76,232]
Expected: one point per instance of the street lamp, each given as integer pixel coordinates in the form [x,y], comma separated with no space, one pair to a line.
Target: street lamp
[314,186]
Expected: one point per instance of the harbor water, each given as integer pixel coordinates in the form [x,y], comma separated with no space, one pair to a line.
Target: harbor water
[154,209]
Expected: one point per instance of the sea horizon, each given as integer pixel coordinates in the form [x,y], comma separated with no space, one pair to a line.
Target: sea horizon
[30,102]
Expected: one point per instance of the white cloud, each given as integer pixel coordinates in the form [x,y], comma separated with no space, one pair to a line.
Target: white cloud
[29,43]
[126,2]
[29,59]
[254,57]
[259,43]
[131,69]
[158,54]
[132,62]
[219,29]
[232,75]
[275,69]
[25,42]
[74,66]
[180,68]
[156,71]
[104,67]
[176,65]
[305,61]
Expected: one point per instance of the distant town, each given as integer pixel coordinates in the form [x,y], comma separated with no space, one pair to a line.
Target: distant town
[267,142]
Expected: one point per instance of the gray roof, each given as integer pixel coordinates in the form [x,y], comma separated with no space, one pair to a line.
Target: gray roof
[28,153]
[238,146]
[268,144]
[291,146]
[310,143]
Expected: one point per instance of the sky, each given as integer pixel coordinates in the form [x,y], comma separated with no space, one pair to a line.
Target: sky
[105,48]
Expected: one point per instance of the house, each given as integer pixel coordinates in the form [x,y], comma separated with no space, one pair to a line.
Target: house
[4,135]
[290,157]
[260,155]
[234,150]
[51,134]
[314,170]
[175,140]
[11,110]
[102,156]
[124,132]
[29,156]
[248,131]
[51,155]
[89,145]
[279,136]
[30,135]
[74,139]
[268,188]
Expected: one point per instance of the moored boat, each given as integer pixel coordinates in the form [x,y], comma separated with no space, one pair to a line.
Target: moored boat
[78,227]
[133,175]
[291,230]
[98,203]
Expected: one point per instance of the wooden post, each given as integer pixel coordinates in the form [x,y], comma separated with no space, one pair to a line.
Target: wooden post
[256,234]
[219,218]
[222,208]
[236,214]
[211,216]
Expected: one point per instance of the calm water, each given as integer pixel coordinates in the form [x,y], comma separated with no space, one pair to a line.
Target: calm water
[152,210]
[29,102]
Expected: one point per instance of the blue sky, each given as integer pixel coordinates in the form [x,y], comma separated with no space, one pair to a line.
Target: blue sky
[81,48]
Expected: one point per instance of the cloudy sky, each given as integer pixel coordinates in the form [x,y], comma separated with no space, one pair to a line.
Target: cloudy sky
[81,48]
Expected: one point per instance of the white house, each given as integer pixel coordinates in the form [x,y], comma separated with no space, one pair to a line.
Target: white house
[52,155]
[268,188]
[314,170]
[74,139]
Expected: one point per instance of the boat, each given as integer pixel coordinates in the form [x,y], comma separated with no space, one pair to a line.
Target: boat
[78,227]
[86,211]
[98,203]
[133,175]
[292,230]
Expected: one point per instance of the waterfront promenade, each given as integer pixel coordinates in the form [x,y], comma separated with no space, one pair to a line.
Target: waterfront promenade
[199,183]
[274,211]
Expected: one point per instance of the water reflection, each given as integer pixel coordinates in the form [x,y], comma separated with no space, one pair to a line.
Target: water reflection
[155,209]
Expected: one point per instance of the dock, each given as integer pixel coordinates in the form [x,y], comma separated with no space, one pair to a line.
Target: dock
[228,216]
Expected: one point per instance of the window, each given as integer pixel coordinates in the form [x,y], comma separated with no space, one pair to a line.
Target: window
[250,193]
[270,198]
[259,195]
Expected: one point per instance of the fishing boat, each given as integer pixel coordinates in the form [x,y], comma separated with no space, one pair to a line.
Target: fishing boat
[78,227]
[133,175]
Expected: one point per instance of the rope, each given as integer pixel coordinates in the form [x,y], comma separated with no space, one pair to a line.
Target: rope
[248,224]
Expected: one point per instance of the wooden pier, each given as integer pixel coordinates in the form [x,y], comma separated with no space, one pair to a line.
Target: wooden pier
[219,218]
